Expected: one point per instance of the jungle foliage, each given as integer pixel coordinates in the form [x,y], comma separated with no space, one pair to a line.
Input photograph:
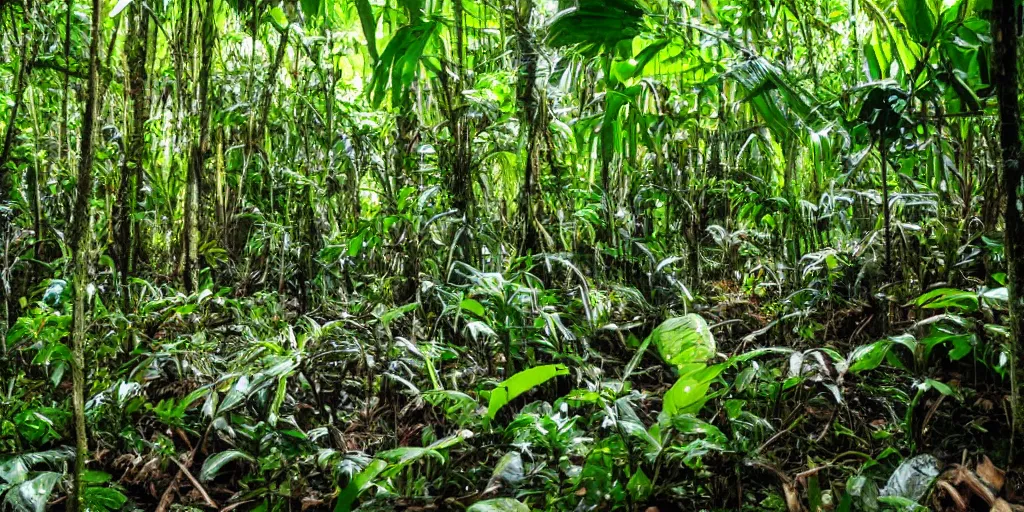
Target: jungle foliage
[510,255]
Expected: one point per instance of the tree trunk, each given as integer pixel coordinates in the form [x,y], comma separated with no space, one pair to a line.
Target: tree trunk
[462,166]
[62,141]
[197,159]
[79,243]
[127,230]
[1004,65]
[531,122]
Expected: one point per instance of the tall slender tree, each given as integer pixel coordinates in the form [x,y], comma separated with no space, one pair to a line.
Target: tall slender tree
[1005,41]
[80,236]
[197,158]
[530,123]
[126,228]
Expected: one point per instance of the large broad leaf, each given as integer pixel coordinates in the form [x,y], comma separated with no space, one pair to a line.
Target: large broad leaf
[398,63]
[913,478]
[508,472]
[213,464]
[690,392]
[33,494]
[768,91]
[949,298]
[868,357]
[521,383]
[685,342]
[103,499]
[595,24]
[498,505]
[15,469]
[920,17]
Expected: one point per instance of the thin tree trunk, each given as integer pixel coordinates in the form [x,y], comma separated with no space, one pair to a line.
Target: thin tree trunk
[80,237]
[198,157]
[1004,64]
[62,142]
[463,182]
[883,149]
[530,120]
[131,173]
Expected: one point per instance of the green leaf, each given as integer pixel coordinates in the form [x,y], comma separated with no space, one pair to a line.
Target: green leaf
[690,392]
[685,342]
[639,486]
[395,313]
[919,17]
[277,17]
[355,245]
[508,471]
[213,464]
[951,298]
[310,8]
[868,357]
[95,477]
[54,291]
[498,505]
[369,24]
[520,383]
[472,306]
[32,495]
[359,483]
[15,470]
[103,499]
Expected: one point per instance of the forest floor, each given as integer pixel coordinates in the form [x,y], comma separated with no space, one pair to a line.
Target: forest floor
[223,403]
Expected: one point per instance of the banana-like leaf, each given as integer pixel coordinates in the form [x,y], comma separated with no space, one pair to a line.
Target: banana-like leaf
[595,24]
[520,383]
[398,64]
[213,464]
[32,495]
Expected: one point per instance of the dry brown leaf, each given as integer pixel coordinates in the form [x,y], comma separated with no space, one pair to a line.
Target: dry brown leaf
[310,502]
[792,497]
[1001,506]
[990,474]
[958,501]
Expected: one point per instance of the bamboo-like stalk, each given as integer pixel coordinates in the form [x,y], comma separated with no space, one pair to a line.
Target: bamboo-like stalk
[80,238]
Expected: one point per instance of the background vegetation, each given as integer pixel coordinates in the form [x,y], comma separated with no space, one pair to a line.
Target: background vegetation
[510,255]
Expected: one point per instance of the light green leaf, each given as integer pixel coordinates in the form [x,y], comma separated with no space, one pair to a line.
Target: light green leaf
[521,383]
[690,392]
[355,245]
[103,499]
[278,18]
[868,357]
[685,342]
[472,306]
